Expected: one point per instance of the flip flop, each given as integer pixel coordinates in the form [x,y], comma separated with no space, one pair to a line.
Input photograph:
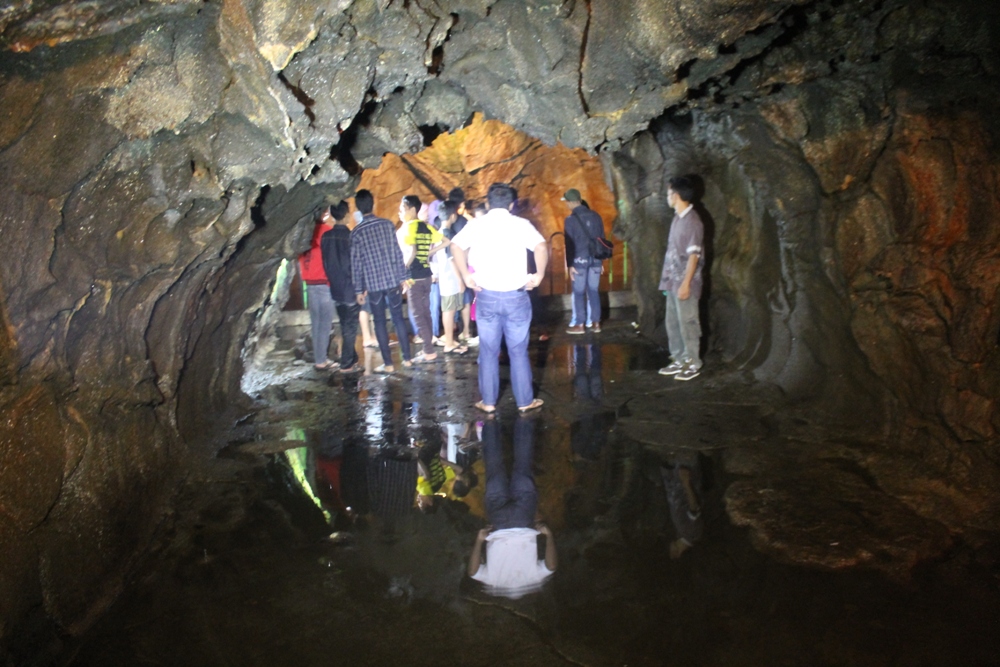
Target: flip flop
[326,366]
[458,349]
[381,370]
[371,345]
[488,409]
[534,405]
[421,359]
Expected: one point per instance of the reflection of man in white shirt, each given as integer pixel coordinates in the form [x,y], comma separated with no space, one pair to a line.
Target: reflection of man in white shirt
[510,544]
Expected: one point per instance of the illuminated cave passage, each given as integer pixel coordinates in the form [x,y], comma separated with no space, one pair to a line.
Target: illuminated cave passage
[160,163]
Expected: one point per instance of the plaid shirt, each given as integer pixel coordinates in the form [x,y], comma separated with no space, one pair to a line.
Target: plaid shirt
[376,260]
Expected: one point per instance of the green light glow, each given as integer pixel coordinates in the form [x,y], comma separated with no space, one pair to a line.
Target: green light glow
[298,461]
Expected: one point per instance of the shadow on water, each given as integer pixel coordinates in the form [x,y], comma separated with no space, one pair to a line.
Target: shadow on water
[407,527]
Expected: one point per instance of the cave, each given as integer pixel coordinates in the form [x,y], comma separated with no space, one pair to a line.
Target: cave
[161,166]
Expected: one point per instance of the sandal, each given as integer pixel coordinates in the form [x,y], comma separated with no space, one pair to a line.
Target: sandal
[534,405]
[327,366]
[381,370]
[488,409]
[407,363]
[458,349]
[353,368]
[421,359]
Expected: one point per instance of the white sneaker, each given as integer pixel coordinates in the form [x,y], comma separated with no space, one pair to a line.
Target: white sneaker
[439,341]
[673,369]
[688,373]
[473,342]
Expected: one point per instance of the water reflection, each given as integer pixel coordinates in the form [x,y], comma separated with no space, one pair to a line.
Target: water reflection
[505,557]
[681,474]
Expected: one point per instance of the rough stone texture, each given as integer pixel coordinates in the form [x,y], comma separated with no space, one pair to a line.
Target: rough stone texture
[158,160]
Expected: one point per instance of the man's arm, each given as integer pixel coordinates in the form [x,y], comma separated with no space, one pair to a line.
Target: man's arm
[684,291]
[462,264]
[551,560]
[476,559]
[541,261]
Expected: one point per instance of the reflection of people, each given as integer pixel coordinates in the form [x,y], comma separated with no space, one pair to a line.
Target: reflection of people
[505,556]
[435,472]
[495,244]
[681,281]
[589,434]
[682,482]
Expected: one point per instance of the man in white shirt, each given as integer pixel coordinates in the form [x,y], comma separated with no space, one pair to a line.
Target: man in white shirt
[511,566]
[495,244]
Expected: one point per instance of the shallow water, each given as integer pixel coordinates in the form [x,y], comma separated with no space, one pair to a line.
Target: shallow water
[316,553]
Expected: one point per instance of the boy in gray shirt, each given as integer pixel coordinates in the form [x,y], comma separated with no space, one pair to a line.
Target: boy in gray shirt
[681,281]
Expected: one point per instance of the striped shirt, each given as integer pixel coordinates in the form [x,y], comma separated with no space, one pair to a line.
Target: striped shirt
[376,261]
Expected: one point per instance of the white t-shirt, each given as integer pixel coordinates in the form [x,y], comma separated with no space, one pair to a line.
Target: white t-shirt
[404,247]
[496,244]
[447,274]
[512,568]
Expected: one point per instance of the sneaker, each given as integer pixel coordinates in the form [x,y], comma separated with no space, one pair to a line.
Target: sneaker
[688,373]
[439,341]
[472,342]
[596,328]
[673,369]
[578,329]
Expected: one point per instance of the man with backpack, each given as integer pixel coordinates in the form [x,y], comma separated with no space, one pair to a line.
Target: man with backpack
[586,250]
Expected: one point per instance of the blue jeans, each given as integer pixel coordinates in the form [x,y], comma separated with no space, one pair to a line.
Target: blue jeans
[510,502]
[393,300]
[683,329]
[586,297]
[436,309]
[504,315]
[321,319]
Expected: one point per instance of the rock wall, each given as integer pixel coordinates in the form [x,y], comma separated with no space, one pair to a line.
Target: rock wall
[851,192]
[157,161]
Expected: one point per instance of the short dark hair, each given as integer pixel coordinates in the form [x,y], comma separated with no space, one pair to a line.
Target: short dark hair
[501,195]
[461,487]
[684,188]
[478,207]
[448,209]
[456,195]
[412,201]
[340,210]
[364,201]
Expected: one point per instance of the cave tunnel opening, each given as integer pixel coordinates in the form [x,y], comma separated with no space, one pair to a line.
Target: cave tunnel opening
[177,479]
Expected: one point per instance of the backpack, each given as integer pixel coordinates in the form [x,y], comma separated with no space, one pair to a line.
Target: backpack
[599,249]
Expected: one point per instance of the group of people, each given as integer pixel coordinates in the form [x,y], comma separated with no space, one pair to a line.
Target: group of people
[447,262]
[362,271]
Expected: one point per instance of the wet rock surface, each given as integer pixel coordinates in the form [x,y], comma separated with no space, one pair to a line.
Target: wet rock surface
[253,571]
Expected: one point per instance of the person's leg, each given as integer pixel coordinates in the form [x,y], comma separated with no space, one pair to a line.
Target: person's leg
[367,326]
[690,328]
[321,319]
[517,332]
[497,492]
[594,294]
[411,315]
[467,314]
[436,309]
[523,493]
[394,299]
[490,322]
[420,301]
[674,339]
[580,296]
[449,329]
[378,304]
[348,315]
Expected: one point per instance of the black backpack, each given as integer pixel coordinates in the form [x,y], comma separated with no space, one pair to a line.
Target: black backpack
[600,249]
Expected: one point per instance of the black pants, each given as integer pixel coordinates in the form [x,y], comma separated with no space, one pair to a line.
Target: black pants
[348,314]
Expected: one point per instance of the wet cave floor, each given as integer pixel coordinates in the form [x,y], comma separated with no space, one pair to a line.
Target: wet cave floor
[300,543]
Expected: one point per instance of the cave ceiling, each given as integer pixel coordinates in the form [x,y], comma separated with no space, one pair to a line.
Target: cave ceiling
[292,77]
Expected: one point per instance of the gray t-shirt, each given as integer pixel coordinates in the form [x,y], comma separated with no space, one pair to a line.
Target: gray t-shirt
[686,238]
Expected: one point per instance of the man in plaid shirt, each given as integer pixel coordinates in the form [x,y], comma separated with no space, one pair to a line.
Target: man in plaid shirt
[379,276]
